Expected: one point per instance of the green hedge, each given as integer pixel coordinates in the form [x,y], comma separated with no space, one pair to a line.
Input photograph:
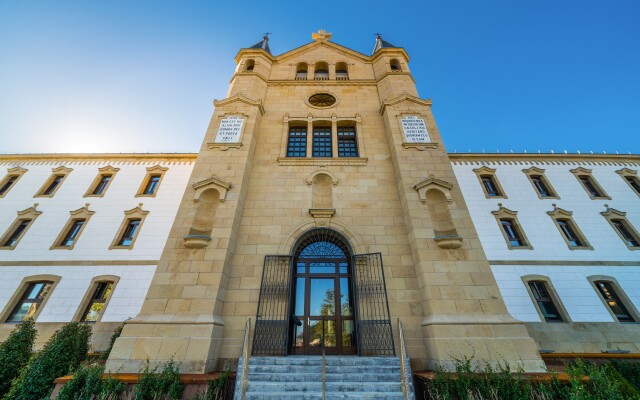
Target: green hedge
[62,355]
[611,381]
[15,353]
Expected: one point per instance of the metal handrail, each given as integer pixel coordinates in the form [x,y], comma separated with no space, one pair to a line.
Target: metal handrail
[245,355]
[403,357]
[324,366]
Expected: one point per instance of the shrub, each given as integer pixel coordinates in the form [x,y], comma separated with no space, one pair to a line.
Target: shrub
[605,382]
[217,388]
[87,383]
[62,355]
[15,353]
[163,386]
[630,371]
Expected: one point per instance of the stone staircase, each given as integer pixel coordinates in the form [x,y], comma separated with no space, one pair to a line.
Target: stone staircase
[300,377]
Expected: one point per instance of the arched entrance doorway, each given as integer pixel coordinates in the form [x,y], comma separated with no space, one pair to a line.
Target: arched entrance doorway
[322,280]
[322,294]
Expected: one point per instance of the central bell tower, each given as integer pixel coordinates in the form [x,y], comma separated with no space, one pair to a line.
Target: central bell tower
[322,137]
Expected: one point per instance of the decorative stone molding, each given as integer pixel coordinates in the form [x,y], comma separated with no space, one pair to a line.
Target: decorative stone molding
[134,213]
[630,176]
[322,212]
[555,299]
[106,170]
[154,170]
[242,99]
[15,173]
[582,172]
[214,182]
[433,183]
[357,245]
[512,216]
[59,171]
[404,97]
[420,146]
[533,171]
[449,242]
[30,214]
[615,217]
[559,213]
[17,295]
[80,214]
[196,241]
[334,179]
[484,171]
[322,162]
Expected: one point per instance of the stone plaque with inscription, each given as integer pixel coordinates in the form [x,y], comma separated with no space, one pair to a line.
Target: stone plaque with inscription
[230,130]
[415,130]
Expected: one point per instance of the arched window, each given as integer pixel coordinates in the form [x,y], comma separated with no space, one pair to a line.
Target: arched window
[342,73]
[96,299]
[30,298]
[395,65]
[321,71]
[301,71]
[248,66]
[614,298]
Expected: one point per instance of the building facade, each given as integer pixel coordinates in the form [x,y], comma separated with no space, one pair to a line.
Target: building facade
[324,206]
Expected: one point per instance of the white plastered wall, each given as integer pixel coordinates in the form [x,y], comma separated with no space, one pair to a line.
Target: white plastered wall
[91,253]
[570,281]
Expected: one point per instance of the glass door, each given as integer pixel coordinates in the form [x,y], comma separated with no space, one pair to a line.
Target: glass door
[323,304]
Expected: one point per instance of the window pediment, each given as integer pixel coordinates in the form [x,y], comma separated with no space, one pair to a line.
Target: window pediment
[559,212]
[433,183]
[213,182]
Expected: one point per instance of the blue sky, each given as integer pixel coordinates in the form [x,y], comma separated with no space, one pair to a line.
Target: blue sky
[118,76]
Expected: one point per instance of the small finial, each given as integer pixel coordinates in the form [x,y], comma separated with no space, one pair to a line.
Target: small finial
[500,205]
[35,205]
[86,205]
[321,35]
[378,35]
[140,205]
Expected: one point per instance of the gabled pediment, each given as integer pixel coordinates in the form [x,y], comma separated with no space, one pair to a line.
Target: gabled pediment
[322,46]
[242,99]
[405,97]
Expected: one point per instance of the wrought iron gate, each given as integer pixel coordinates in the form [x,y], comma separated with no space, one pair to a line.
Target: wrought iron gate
[272,320]
[373,323]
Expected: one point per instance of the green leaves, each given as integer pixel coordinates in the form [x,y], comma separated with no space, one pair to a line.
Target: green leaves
[15,353]
[62,355]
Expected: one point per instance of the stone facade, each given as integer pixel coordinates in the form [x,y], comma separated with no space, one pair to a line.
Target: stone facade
[195,272]
[446,296]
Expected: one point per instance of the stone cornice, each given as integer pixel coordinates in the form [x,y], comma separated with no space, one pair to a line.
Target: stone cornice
[545,157]
[96,157]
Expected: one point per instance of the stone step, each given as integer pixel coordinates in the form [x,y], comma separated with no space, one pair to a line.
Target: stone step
[316,386]
[341,369]
[366,395]
[364,387]
[282,396]
[370,376]
[318,396]
[317,360]
[287,387]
